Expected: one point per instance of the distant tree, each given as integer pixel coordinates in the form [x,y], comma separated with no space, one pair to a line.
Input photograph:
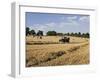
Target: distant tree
[40,33]
[75,34]
[83,35]
[32,32]
[68,34]
[51,33]
[60,34]
[79,34]
[27,31]
[87,35]
[72,34]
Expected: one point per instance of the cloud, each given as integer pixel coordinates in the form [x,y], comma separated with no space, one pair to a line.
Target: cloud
[69,21]
[44,27]
[72,18]
[68,24]
[52,24]
[69,18]
[84,19]
[59,27]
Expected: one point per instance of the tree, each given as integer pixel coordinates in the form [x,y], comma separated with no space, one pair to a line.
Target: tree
[51,33]
[83,35]
[87,35]
[75,34]
[79,34]
[72,34]
[27,31]
[68,34]
[60,34]
[40,33]
[32,32]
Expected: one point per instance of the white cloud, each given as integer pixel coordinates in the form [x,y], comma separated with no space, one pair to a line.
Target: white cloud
[84,19]
[67,25]
[69,18]
[69,21]
[72,18]
[44,27]
[54,26]
[37,27]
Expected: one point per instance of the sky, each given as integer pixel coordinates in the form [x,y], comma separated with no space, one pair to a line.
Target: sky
[62,23]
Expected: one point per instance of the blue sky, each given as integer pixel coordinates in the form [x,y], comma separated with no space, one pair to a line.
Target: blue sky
[58,22]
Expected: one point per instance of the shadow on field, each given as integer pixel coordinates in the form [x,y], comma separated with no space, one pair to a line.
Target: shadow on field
[44,43]
[33,61]
[53,55]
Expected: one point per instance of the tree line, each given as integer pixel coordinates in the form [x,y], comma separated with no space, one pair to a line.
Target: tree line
[54,33]
[79,34]
[32,32]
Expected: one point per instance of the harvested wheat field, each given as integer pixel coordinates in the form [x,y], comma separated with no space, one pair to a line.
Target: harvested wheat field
[48,51]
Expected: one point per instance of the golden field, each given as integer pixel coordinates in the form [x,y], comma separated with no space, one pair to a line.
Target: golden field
[49,52]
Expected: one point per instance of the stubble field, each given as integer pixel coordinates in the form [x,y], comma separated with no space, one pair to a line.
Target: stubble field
[48,51]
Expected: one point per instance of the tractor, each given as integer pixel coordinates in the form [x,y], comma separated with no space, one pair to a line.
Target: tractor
[64,40]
